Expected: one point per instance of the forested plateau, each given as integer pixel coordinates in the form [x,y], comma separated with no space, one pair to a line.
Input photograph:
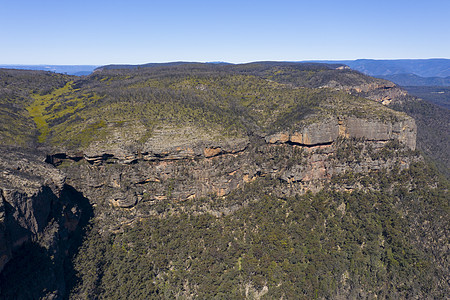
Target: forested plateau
[214,181]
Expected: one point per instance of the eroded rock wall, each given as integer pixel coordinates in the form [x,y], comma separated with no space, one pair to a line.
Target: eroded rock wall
[329,130]
[116,184]
[39,214]
[28,186]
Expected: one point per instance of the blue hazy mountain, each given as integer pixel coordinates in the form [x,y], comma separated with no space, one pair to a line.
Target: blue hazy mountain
[405,72]
[414,80]
[78,70]
[435,67]
[411,72]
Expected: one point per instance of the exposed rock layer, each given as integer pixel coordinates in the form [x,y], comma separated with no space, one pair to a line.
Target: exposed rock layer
[329,130]
[305,158]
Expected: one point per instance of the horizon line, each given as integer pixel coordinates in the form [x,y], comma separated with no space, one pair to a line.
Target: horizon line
[227,62]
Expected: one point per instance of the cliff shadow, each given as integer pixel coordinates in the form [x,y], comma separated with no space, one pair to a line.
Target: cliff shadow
[30,274]
[75,237]
[41,268]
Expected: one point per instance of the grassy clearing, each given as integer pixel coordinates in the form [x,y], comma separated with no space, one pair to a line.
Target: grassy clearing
[38,109]
[54,108]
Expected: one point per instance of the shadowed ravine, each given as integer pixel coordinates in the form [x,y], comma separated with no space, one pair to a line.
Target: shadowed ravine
[41,268]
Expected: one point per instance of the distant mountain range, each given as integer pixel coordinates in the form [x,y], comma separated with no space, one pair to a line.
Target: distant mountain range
[414,80]
[435,67]
[404,72]
[78,70]
[186,64]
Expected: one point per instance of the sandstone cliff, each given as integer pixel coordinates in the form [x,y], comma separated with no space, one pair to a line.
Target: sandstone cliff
[328,131]
[306,157]
[37,210]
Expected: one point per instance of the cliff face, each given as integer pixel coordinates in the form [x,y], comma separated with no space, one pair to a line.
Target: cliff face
[328,131]
[28,188]
[37,210]
[306,158]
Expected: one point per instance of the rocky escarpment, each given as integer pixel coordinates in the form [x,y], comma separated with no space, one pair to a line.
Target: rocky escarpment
[327,131]
[321,132]
[304,159]
[352,82]
[38,215]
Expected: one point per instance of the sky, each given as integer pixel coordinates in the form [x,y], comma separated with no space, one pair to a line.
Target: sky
[99,32]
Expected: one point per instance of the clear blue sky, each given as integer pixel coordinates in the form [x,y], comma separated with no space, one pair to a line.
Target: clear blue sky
[130,31]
